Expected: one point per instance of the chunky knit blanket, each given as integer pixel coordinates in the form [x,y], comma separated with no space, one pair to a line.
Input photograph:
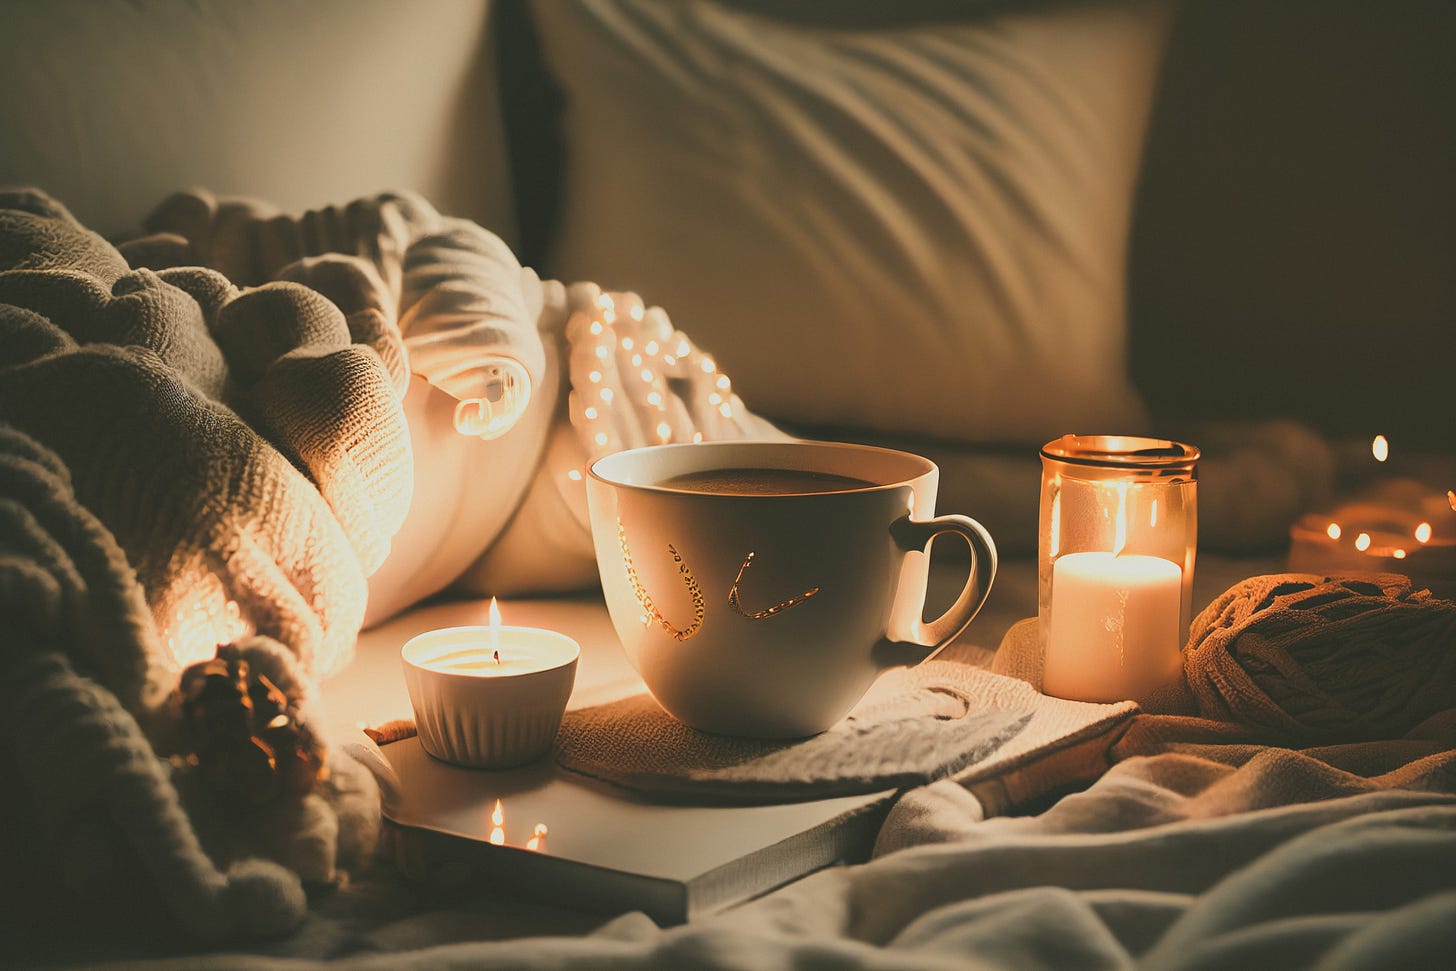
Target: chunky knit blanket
[212,436]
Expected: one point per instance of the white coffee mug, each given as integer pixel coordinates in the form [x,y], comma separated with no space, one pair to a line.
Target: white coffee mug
[754,612]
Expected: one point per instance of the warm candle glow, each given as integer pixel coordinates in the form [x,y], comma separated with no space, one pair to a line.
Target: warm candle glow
[537,841]
[1398,554]
[1119,536]
[1333,530]
[1423,533]
[1362,542]
[498,822]
[1380,448]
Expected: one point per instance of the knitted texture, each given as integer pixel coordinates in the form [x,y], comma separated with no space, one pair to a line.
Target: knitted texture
[93,815]
[915,726]
[183,464]
[450,287]
[1321,659]
[629,377]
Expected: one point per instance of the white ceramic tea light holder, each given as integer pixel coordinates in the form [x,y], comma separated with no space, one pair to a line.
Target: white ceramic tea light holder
[489,697]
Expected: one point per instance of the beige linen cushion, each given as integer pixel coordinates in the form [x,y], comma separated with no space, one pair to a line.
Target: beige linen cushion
[909,228]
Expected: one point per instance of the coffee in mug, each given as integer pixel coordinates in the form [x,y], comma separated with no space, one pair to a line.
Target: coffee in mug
[762,482]
[759,588]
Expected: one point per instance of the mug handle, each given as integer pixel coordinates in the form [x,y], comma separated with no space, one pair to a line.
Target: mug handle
[930,637]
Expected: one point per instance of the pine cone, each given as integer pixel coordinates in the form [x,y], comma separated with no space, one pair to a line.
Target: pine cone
[244,733]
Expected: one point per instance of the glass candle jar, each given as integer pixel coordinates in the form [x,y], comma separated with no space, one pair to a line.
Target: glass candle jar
[1118,534]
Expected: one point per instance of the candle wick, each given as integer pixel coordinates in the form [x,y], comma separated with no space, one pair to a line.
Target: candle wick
[497,657]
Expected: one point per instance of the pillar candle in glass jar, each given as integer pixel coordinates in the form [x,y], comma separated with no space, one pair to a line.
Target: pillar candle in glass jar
[1115,565]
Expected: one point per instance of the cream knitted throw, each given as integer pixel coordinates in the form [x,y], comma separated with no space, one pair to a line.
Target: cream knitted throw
[182,464]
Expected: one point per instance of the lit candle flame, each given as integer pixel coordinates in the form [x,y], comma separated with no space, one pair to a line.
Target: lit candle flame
[495,626]
[1423,533]
[1362,542]
[498,821]
[537,841]
[1380,448]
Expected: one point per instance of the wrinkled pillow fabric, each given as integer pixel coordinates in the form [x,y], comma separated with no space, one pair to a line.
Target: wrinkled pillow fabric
[918,228]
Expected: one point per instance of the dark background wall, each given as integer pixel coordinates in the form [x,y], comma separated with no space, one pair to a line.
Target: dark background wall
[1295,239]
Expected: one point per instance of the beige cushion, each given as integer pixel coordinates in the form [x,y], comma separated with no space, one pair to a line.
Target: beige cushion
[111,106]
[919,228]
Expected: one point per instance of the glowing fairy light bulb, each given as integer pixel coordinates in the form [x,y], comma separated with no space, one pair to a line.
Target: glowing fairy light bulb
[1423,533]
[1362,542]
[1380,448]
[1398,554]
[1333,530]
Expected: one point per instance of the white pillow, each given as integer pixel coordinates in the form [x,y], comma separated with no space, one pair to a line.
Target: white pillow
[919,228]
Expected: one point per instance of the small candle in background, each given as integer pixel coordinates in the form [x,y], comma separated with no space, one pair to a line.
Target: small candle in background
[1398,522]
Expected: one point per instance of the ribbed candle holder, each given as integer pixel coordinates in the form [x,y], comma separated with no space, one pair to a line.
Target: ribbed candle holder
[489,699]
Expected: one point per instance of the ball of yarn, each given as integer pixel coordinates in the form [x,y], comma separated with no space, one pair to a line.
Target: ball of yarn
[1314,659]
